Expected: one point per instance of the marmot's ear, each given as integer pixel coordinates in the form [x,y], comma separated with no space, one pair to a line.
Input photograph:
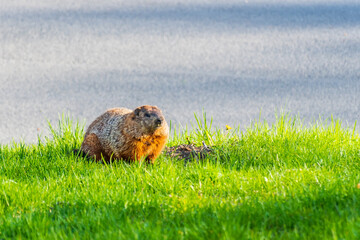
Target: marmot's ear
[137,111]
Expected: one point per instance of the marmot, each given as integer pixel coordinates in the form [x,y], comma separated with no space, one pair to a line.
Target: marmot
[120,133]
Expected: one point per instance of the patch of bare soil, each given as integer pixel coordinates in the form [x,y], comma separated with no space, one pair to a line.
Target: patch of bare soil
[188,152]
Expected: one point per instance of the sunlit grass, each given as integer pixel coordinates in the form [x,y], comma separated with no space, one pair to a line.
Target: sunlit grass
[282,180]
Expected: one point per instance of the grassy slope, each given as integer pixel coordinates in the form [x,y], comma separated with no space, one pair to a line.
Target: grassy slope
[282,181]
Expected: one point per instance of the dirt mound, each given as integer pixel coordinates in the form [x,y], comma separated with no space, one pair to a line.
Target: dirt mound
[188,152]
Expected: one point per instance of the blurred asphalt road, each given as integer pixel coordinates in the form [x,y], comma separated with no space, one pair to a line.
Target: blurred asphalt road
[234,59]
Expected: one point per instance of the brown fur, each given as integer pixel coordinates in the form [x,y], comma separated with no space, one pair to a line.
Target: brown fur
[120,133]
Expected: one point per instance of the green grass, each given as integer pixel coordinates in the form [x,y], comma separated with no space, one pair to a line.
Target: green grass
[281,181]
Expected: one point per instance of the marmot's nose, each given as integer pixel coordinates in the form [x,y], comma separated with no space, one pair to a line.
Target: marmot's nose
[158,122]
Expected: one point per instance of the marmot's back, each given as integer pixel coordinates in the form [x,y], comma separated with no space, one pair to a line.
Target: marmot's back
[120,133]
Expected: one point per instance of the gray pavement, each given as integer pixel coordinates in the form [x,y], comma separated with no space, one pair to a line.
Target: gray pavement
[233,59]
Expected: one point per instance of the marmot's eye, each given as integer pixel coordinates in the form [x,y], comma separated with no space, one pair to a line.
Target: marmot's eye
[147,115]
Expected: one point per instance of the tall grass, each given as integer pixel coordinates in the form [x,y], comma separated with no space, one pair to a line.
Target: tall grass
[282,180]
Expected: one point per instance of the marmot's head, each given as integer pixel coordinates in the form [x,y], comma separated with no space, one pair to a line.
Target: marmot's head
[150,118]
